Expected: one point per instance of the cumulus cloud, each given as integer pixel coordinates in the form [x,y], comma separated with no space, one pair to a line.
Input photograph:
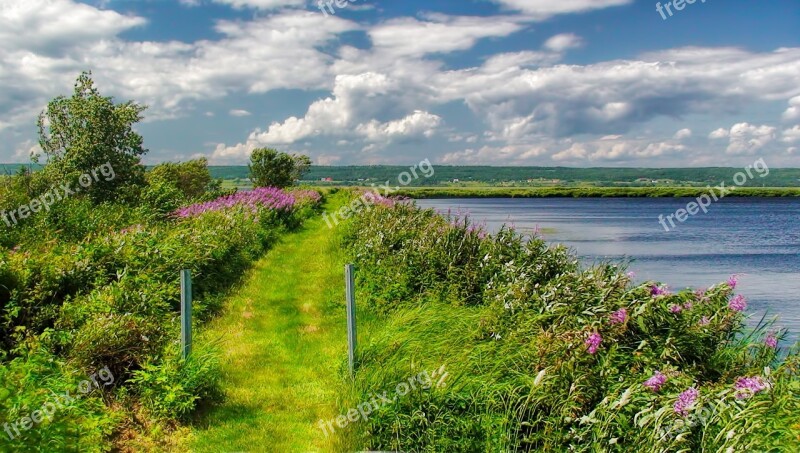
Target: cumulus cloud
[793,112]
[791,135]
[609,149]
[282,50]
[562,42]
[414,126]
[745,138]
[239,113]
[347,114]
[682,134]
[719,133]
[49,27]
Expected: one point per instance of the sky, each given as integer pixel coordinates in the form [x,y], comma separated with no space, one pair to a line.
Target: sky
[579,83]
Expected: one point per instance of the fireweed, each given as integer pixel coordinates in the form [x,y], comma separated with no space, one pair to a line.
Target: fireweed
[541,355]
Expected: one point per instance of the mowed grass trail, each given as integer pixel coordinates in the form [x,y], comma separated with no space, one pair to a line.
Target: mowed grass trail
[283,344]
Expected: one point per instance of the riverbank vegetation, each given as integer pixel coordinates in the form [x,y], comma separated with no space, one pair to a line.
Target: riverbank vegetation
[536,353]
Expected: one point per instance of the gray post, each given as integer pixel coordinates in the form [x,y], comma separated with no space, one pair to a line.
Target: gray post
[186,313]
[351,316]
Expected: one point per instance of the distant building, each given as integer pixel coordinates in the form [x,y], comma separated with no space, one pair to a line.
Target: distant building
[327,179]
[455,180]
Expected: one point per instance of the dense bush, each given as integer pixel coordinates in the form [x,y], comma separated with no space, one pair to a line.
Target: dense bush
[544,355]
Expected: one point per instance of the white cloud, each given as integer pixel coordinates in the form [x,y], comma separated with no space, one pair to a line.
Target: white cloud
[349,113]
[282,50]
[745,138]
[443,34]
[719,134]
[51,26]
[682,134]
[262,4]
[793,112]
[239,113]
[543,9]
[415,126]
[562,42]
[791,135]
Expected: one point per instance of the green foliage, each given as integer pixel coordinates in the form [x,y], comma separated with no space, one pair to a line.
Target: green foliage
[191,178]
[170,387]
[270,168]
[509,318]
[39,381]
[86,131]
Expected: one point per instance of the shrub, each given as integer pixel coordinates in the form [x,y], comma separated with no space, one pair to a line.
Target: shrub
[170,387]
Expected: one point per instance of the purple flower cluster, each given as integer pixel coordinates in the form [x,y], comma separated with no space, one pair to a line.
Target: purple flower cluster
[593,342]
[263,197]
[306,196]
[656,290]
[733,280]
[619,316]
[656,381]
[686,401]
[738,303]
[746,387]
[675,308]
[771,340]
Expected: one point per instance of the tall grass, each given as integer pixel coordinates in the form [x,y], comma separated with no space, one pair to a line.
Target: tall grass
[544,355]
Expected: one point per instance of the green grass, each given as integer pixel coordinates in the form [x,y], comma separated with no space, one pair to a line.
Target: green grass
[283,344]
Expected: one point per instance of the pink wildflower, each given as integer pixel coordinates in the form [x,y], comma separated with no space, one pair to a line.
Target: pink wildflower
[738,303]
[686,401]
[746,387]
[656,381]
[619,316]
[593,342]
[675,308]
[771,340]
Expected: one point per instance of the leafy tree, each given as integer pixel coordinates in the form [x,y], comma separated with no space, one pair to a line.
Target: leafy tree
[191,178]
[271,168]
[81,133]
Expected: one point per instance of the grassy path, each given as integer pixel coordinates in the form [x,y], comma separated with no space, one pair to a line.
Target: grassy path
[283,345]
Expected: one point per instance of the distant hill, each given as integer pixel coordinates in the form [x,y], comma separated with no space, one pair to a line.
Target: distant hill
[520,176]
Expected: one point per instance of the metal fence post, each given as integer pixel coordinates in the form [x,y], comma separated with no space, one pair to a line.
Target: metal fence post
[351,316]
[186,313]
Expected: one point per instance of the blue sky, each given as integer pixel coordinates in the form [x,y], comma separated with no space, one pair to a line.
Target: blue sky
[491,82]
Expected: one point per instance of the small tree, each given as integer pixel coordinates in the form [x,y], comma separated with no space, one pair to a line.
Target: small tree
[270,168]
[83,132]
[192,178]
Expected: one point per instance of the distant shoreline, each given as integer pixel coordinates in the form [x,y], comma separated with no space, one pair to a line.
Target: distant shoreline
[590,192]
